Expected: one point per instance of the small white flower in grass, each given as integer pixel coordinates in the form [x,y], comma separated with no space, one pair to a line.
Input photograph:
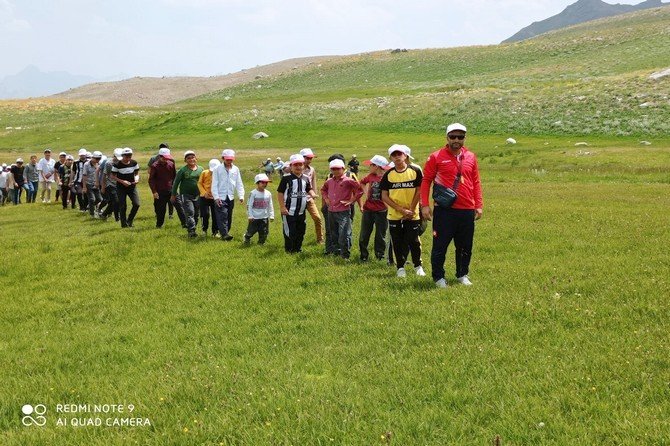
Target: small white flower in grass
[540,424]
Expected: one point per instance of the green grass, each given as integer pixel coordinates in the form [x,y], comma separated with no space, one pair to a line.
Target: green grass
[218,343]
[221,343]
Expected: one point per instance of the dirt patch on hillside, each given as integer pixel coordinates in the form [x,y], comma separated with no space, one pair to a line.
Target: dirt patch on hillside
[147,91]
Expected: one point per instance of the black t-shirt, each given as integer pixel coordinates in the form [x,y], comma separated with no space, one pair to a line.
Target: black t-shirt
[18,174]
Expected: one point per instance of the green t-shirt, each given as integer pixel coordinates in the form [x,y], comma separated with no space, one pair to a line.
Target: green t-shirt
[186,181]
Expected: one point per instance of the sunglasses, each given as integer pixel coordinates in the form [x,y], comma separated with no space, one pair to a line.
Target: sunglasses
[398,153]
[263,182]
[459,137]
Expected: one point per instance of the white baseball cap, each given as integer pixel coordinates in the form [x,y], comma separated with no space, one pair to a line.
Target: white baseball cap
[336,164]
[62,154]
[456,126]
[118,153]
[213,164]
[401,148]
[126,151]
[188,153]
[307,153]
[261,177]
[89,154]
[82,152]
[19,160]
[69,157]
[297,158]
[379,161]
[228,154]
[97,154]
[165,153]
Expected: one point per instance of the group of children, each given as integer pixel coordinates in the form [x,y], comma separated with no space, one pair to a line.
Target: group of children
[387,197]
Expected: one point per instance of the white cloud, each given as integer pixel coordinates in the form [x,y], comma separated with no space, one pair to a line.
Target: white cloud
[8,21]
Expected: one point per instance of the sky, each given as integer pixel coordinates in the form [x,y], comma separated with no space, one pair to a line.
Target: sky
[213,37]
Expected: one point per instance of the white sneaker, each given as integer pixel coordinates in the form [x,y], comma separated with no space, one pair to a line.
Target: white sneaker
[419,271]
[441,283]
[464,280]
[401,272]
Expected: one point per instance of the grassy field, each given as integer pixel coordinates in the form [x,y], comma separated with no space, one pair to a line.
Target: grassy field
[563,340]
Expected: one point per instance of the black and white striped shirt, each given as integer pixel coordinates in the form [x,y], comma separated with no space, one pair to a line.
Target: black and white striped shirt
[126,171]
[295,192]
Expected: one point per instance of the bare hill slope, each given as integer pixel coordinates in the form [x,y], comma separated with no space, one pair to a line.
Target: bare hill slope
[159,91]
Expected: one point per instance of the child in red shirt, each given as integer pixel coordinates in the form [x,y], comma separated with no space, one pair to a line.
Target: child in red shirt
[374,210]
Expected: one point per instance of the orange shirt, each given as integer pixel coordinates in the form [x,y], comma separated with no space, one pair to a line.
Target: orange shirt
[205,183]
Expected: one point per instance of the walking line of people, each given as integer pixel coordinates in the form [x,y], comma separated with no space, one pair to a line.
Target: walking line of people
[394,198]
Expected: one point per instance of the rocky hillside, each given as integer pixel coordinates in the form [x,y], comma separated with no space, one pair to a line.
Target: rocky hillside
[579,12]
[147,91]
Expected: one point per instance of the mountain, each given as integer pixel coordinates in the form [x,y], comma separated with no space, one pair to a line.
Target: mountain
[32,82]
[165,90]
[582,11]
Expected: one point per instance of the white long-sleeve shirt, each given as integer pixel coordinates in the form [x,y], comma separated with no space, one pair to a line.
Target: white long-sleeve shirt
[260,205]
[225,182]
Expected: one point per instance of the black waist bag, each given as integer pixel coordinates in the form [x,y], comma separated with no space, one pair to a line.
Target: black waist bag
[444,196]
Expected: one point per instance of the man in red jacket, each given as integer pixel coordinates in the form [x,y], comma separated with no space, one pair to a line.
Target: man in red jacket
[455,167]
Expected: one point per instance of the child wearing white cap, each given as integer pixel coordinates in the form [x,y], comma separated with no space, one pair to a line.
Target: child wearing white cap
[400,191]
[260,210]
[292,194]
[226,181]
[339,192]
[374,210]
[186,186]
[207,205]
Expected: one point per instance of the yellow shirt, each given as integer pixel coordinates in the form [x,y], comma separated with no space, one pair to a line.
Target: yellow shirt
[402,186]
[205,182]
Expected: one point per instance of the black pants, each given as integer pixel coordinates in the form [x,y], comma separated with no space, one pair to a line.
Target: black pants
[67,197]
[457,225]
[160,206]
[112,206]
[405,239]
[260,226]
[369,221]
[79,194]
[134,196]
[294,232]
[207,208]
[224,216]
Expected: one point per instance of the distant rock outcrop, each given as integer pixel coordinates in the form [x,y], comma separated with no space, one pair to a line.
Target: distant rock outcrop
[582,11]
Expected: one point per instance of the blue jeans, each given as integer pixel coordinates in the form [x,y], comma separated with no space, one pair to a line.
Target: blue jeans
[340,233]
[31,192]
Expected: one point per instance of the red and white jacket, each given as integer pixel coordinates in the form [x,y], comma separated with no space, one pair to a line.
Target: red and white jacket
[442,167]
